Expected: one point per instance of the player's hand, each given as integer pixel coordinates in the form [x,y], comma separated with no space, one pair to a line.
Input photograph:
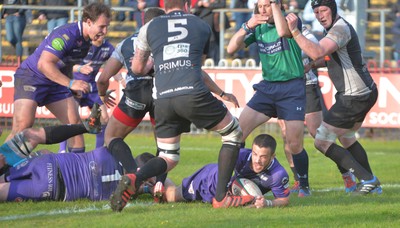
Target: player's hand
[85,69]
[291,19]
[80,85]
[257,19]
[231,98]
[108,100]
[260,202]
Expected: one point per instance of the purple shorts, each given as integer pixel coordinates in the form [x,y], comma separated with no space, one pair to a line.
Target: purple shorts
[202,185]
[43,91]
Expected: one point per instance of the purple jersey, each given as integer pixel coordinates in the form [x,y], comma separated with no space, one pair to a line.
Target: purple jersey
[202,184]
[67,43]
[98,55]
[92,175]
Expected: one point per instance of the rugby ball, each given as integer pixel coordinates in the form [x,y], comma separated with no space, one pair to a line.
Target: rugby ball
[243,187]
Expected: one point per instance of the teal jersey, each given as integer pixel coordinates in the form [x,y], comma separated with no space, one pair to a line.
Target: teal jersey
[280,57]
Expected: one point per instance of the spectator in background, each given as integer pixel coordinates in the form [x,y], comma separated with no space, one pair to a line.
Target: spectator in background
[54,18]
[395,16]
[15,25]
[204,10]
[138,13]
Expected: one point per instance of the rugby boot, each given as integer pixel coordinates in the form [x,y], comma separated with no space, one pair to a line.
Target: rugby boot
[233,201]
[125,190]
[350,183]
[92,123]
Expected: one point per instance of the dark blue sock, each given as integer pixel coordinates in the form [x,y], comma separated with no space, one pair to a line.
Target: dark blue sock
[300,162]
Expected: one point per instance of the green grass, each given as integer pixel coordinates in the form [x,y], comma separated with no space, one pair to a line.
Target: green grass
[329,206]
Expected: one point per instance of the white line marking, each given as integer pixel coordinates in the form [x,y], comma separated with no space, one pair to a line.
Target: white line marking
[73,210]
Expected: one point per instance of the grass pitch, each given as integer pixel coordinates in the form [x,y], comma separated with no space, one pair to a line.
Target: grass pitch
[329,206]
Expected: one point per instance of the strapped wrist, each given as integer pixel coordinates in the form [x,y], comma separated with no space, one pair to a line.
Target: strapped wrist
[246,28]
[222,94]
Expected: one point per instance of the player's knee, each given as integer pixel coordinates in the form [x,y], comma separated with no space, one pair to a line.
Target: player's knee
[349,135]
[324,136]
[232,134]
[169,151]
[20,144]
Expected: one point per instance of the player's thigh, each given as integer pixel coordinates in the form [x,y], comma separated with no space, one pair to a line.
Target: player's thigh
[65,110]
[313,121]
[249,119]
[116,129]
[24,114]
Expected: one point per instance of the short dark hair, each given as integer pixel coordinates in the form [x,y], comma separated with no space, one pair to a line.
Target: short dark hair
[265,140]
[94,10]
[152,12]
[142,158]
[169,4]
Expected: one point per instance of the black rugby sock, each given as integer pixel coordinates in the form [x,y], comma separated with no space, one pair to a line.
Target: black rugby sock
[57,134]
[300,162]
[122,153]
[154,167]
[294,171]
[359,153]
[161,178]
[226,163]
[343,158]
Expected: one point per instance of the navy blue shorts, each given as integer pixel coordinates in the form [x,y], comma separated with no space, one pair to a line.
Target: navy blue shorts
[284,100]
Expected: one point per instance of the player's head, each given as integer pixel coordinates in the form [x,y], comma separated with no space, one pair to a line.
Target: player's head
[151,13]
[264,8]
[142,158]
[181,4]
[325,11]
[97,17]
[262,152]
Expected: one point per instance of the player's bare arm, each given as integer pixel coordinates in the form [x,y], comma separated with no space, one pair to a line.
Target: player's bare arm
[47,64]
[111,68]
[281,25]
[315,51]
[140,63]
[214,88]
[261,202]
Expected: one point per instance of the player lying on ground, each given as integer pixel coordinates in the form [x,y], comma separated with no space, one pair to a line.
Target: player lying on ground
[257,164]
[93,175]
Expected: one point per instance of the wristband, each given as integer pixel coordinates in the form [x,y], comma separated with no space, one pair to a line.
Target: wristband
[79,68]
[268,203]
[222,94]
[70,83]
[246,28]
[295,33]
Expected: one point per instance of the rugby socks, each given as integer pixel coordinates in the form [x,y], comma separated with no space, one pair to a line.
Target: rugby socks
[154,167]
[342,170]
[163,176]
[358,152]
[226,163]
[100,137]
[76,150]
[343,158]
[122,153]
[57,134]
[63,147]
[300,162]
[296,178]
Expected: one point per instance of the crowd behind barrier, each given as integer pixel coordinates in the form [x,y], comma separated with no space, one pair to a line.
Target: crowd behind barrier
[75,14]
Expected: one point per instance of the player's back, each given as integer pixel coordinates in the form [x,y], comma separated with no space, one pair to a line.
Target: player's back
[93,175]
[178,42]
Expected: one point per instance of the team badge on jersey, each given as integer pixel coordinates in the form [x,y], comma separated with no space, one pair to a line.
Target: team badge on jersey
[58,44]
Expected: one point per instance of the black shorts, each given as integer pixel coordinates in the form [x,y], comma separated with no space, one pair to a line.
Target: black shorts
[137,99]
[313,98]
[174,115]
[350,110]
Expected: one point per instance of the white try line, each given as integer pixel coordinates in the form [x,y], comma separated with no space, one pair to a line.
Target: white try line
[76,210]
[73,210]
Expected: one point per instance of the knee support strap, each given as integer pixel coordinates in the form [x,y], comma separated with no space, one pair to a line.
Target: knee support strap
[170,151]
[349,135]
[232,134]
[20,145]
[324,134]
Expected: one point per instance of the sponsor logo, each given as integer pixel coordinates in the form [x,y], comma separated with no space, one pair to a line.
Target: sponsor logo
[175,65]
[134,104]
[50,177]
[173,51]
[285,182]
[28,88]
[45,194]
[65,36]
[58,44]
